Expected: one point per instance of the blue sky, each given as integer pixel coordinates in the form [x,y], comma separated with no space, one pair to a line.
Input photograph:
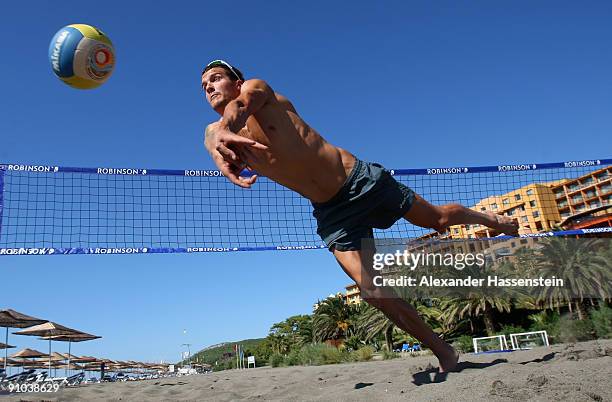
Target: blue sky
[408,84]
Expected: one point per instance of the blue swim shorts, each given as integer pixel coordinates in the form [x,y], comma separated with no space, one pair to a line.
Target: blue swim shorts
[370,198]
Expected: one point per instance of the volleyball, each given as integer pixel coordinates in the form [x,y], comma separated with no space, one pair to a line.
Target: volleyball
[82,56]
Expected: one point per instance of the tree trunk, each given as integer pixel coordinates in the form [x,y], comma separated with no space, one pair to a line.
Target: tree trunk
[389,338]
[488,320]
[580,310]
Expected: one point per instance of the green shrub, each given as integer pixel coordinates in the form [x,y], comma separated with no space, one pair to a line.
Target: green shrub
[546,321]
[320,353]
[387,355]
[602,321]
[293,358]
[331,355]
[363,354]
[464,344]
[276,359]
[353,343]
[510,329]
[571,330]
[310,355]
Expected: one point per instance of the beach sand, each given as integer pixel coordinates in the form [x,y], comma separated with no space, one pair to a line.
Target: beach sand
[570,372]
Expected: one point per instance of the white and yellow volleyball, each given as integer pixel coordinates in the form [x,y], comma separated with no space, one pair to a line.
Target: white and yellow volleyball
[82,56]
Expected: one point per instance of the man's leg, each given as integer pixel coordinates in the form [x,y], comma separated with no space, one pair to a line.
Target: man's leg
[439,218]
[358,265]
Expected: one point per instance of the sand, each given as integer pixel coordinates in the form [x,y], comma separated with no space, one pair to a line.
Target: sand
[570,372]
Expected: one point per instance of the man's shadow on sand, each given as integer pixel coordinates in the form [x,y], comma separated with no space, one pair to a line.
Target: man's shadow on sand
[425,377]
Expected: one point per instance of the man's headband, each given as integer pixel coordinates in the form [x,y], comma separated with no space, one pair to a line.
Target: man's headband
[223,63]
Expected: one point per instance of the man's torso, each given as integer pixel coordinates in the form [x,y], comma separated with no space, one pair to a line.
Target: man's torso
[297,156]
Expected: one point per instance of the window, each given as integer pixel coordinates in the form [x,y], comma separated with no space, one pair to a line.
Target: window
[483,209]
[522,207]
[524,219]
[517,197]
[494,205]
[510,212]
[587,181]
[533,204]
[536,214]
[538,225]
[530,191]
[456,231]
[523,241]
[603,176]
[505,201]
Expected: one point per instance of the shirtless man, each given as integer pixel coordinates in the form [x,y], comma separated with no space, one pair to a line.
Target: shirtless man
[261,130]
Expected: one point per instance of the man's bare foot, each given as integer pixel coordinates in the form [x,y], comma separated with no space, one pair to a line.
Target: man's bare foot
[449,362]
[503,224]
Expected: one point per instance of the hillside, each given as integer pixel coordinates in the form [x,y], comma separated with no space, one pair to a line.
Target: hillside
[214,353]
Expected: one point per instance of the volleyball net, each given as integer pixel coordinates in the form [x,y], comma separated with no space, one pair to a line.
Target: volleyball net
[54,210]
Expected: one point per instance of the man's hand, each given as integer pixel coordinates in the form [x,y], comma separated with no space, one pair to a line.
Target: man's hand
[232,172]
[226,149]
[225,140]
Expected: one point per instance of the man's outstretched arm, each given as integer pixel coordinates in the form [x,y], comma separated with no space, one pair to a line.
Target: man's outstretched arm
[221,140]
[254,94]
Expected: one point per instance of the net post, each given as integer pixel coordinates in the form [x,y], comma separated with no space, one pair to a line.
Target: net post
[2,168]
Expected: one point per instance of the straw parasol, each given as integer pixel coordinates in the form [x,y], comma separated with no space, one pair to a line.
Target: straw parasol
[70,366]
[75,337]
[27,353]
[85,359]
[8,362]
[47,329]
[58,357]
[13,319]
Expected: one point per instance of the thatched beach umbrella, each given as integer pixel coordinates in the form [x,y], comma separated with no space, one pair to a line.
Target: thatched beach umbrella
[13,319]
[5,346]
[71,366]
[85,359]
[47,329]
[8,362]
[75,337]
[58,357]
[27,353]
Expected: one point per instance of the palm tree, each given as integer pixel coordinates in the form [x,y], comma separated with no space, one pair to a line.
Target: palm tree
[457,308]
[332,319]
[578,263]
[295,331]
[372,323]
[463,303]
